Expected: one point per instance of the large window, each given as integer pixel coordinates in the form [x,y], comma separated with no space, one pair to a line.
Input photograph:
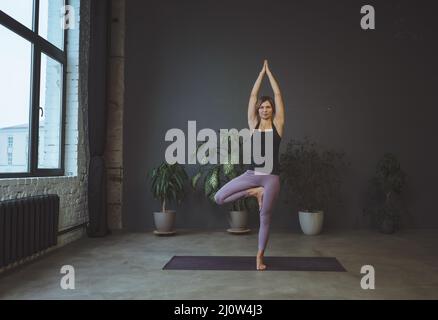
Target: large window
[32,87]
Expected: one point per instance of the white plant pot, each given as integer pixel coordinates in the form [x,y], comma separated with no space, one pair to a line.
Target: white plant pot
[238,219]
[164,221]
[311,222]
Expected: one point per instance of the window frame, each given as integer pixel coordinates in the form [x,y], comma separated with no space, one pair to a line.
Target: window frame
[39,46]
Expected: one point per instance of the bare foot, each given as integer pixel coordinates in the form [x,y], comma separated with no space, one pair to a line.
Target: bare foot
[260,265]
[258,193]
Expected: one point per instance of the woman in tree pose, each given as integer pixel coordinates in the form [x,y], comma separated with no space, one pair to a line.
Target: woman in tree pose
[264,115]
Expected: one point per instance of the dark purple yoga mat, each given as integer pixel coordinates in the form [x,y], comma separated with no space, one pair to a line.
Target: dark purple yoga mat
[249,263]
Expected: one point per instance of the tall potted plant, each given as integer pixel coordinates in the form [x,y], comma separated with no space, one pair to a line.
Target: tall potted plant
[312,176]
[167,185]
[384,201]
[213,176]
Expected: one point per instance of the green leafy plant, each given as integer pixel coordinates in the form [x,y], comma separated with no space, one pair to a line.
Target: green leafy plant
[167,183]
[213,176]
[385,205]
[312,175]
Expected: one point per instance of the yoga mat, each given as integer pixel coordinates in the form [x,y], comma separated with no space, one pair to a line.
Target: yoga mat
[243,263]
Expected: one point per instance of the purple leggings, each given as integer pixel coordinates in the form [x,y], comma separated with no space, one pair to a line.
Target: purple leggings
[238,188]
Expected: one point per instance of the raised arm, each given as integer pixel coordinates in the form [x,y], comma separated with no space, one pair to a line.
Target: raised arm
[279,105]
[252,112]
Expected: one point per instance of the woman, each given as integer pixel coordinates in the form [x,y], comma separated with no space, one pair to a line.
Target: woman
[264,115]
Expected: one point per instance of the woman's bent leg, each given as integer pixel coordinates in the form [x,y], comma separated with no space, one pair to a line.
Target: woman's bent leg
[236,188]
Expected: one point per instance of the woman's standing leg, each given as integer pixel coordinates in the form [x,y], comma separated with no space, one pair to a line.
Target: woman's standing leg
[271,185]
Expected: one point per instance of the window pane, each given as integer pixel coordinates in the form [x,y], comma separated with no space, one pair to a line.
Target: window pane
[15,79]
[50,27]
[20,10]
[50,114]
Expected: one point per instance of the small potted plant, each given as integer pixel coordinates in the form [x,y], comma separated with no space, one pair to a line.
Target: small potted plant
[214,176]
[312,177]
[167,185]
[384,202]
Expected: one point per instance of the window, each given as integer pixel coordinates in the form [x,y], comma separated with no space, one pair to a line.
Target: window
[10,142]
[10,150]
[32,86]
[20,10]
[15,90]
[49,15]
[50,113]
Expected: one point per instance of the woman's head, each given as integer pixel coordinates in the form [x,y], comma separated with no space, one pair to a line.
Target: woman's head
[265,107]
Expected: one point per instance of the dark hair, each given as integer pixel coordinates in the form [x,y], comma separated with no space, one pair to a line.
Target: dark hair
[259,103]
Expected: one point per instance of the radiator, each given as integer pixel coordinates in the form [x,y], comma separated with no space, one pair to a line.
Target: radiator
[27,226]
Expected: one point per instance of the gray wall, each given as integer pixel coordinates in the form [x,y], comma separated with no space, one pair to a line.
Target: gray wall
[364,92]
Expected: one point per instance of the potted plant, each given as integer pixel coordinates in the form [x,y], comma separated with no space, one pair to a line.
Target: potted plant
[385,205]
[312,177]
[167,185]
[213,176]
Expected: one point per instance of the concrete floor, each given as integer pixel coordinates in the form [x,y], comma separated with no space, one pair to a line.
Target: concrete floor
[129,266]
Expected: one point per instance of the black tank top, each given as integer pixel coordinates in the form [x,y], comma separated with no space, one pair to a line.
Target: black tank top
[275,149]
